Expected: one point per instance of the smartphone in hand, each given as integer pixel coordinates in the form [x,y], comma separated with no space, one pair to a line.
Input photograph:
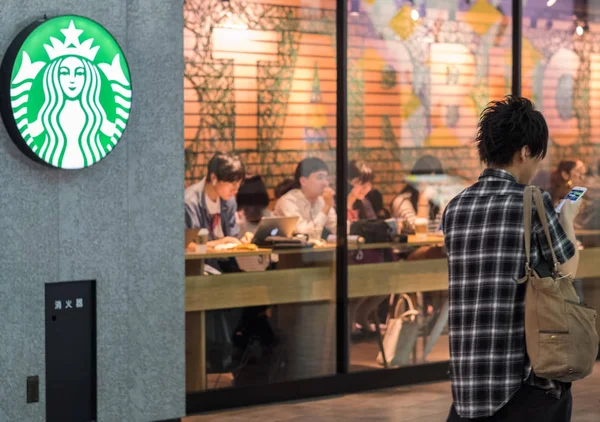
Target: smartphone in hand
[574,195]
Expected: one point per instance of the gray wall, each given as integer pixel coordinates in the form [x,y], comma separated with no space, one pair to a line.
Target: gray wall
[119,222]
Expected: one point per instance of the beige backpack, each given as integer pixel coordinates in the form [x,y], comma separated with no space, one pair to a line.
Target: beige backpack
[560,332]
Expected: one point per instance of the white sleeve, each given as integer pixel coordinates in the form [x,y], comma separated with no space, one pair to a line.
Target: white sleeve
[331,223]
[288,207]
[403,208]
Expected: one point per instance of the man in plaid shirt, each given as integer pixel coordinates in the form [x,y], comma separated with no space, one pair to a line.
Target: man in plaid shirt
[483,228]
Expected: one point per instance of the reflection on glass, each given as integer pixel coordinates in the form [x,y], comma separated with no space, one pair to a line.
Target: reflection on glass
[561,73]
[259,157]
[419,74]
[561,69]
[413,329]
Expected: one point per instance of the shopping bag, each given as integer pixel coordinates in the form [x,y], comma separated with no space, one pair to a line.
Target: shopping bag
[401,334]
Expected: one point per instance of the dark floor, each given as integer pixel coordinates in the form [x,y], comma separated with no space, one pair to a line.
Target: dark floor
[422,403]
[362,358]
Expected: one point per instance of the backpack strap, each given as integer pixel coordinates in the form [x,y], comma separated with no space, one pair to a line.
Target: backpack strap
[541,209]
[527,214]
[531,194]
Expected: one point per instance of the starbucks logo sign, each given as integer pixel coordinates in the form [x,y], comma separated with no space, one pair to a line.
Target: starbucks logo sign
[66,92]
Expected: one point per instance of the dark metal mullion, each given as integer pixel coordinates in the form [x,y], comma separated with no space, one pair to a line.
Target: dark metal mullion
[341,256]
[517,32]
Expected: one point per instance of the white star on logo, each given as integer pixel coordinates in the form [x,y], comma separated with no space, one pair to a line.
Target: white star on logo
[71,35]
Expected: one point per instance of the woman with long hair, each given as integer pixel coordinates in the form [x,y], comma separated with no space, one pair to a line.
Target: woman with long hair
[568,173]
[360,183]
[411,203]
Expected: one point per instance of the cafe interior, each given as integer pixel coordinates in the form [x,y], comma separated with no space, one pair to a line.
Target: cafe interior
[323,140]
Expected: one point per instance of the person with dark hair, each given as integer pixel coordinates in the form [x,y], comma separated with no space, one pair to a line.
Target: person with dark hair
[490,371]
[426,165]
[376,199]
[508,126]
[589,216]
[211,204]
[360,183]
[311,199]
[411,204]
[284,187]
[568,174]
[418,199]
[252,203]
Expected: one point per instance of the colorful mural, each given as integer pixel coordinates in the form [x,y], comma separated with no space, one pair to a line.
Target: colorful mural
[260,80]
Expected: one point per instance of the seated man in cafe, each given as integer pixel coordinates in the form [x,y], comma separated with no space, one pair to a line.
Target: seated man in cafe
[210,204]
[311,199]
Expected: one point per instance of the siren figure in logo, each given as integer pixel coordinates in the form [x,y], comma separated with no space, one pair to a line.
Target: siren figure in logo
[72,118]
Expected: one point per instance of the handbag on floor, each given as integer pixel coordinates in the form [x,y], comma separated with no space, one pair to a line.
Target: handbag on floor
[560,331]
[400,335]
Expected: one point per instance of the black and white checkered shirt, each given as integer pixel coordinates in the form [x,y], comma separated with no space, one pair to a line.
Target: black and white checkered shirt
[483,229]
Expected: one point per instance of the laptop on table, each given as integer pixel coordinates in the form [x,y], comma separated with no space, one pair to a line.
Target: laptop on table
[268,226]
[274,226]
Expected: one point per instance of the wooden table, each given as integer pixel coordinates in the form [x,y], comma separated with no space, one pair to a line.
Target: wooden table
[210,292]
[412,242]
[304,285]
[295,285]
[584,233]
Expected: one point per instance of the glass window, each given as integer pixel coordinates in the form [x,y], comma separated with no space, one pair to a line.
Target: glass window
[560,68]
[419,74]
[260,88]
[260,159]
[561,73]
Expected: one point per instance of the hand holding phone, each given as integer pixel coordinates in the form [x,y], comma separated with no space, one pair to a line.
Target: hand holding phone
[574,195]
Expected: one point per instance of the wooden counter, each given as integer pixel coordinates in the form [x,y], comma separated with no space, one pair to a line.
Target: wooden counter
[412,243]
[293,285]
[304,285]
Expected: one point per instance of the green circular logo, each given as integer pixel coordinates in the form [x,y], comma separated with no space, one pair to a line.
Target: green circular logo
[70,92]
